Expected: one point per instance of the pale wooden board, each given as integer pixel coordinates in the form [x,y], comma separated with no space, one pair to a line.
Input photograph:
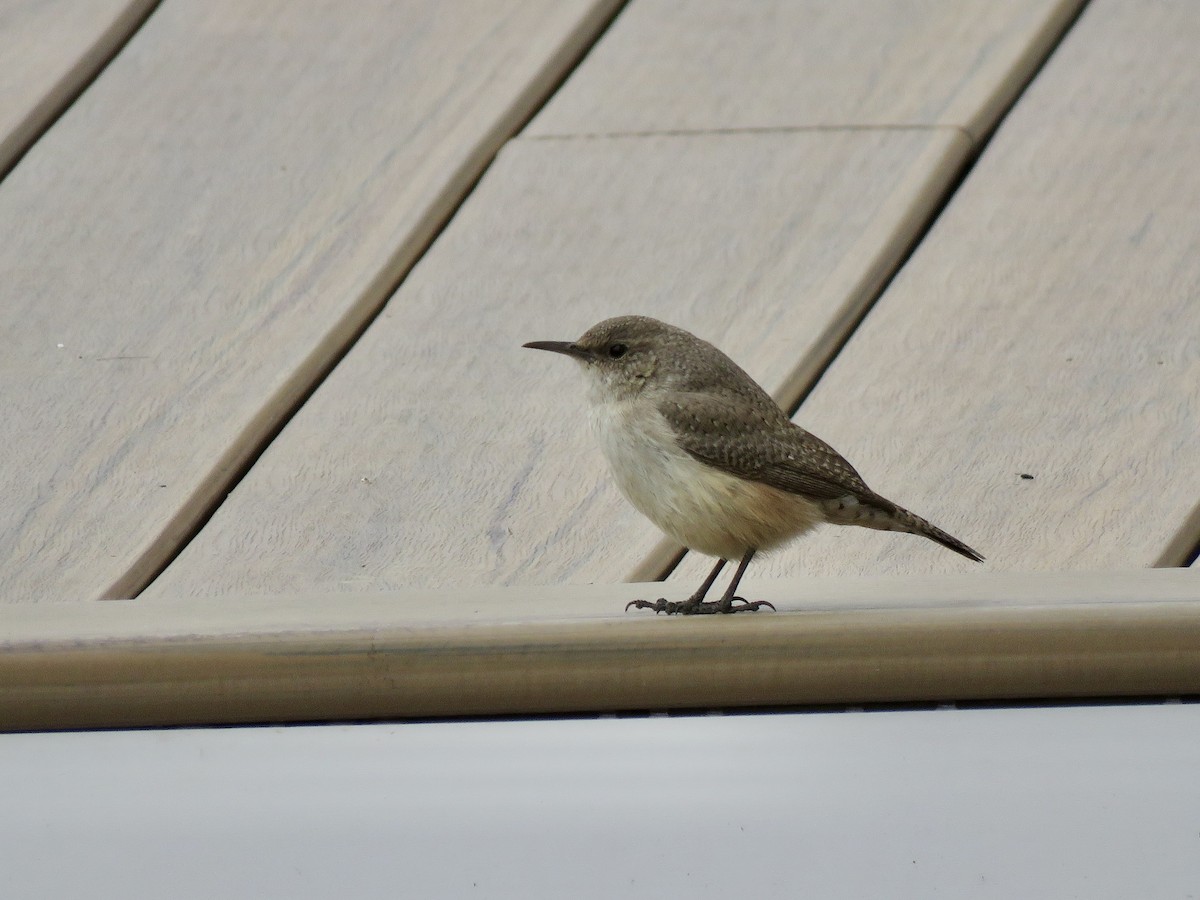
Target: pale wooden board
[206,228]
[1048,325]
[491,651]
[48,51]
[440,452]
[767,64]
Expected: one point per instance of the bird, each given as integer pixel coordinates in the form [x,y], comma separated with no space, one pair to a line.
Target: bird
[701,450]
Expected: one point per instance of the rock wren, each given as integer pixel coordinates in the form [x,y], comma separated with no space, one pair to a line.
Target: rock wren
[706,455]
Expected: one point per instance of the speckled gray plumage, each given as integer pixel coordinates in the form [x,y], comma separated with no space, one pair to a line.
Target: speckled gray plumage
[721,417]
[761,445]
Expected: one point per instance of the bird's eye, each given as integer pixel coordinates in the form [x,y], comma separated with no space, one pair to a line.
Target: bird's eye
[616,351]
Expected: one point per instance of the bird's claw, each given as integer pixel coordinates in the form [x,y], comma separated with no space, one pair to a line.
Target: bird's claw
[751,606]
[695,607]
[661,605]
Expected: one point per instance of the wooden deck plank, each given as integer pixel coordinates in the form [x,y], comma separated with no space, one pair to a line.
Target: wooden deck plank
[1048,326]
[440,452]
[200,236]
[493,651]
[49,49]
[721,65]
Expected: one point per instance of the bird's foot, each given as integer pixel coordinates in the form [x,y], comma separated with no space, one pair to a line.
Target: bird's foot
[663,605]
[749,605]
[693,607]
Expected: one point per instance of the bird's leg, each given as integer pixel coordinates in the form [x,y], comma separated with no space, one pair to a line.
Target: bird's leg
[692,604]
[695,604]
[698,595]
[725,604]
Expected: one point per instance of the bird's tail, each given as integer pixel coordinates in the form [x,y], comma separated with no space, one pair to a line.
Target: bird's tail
[897,518]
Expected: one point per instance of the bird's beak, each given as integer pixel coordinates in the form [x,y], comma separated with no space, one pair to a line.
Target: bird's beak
[565,347]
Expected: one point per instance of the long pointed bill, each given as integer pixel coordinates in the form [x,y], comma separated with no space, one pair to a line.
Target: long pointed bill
[564,347]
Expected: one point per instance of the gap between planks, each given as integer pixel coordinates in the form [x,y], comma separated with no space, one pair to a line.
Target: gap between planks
[764,129]
[77,78]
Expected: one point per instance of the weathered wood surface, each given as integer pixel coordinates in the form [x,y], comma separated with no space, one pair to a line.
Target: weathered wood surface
[49,49]
[440,453]
[189,247]
[1049,325]
[552,649]
[810,64]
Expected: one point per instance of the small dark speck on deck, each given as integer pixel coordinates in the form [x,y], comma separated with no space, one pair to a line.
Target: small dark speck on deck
[1027,476]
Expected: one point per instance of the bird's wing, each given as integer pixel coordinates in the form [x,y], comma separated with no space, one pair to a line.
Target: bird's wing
[760,444]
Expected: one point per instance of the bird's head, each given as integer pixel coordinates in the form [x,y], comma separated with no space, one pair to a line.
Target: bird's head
[627,355]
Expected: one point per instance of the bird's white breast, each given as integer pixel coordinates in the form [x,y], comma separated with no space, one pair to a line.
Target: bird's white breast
[702,507]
